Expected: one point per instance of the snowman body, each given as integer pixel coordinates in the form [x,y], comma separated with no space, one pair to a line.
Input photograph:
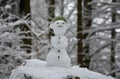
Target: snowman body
[58,57]
[59,42]
[58,54]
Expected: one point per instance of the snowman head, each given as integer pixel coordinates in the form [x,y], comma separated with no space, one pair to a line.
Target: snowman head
[59,27]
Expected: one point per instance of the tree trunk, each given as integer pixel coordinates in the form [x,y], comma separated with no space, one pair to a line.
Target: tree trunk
[83,51]
[25,9]
[51,14]
[79,33]
[51,9]
[61,7]
[86,25]
[113,36]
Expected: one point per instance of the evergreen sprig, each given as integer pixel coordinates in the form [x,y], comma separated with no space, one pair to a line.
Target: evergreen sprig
[59,18]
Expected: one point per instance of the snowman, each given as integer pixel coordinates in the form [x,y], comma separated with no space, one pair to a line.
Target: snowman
[58,54]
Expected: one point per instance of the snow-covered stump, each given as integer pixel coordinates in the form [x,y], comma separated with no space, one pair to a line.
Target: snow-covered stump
[36,72]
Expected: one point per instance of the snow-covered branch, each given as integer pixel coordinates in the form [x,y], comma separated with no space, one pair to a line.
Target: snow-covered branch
[114,71]
[105,3]
[99,49]
[104,27]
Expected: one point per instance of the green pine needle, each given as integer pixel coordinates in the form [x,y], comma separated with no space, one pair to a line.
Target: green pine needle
[59,18]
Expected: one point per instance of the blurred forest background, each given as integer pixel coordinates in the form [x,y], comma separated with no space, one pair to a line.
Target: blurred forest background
[94,32]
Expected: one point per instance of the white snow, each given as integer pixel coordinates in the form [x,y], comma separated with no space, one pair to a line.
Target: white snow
[59,27]
[8,6]
[37,72]
[58,59]
[34,63]
[59,41]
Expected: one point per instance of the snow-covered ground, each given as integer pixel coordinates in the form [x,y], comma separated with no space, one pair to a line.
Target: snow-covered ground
[31,69]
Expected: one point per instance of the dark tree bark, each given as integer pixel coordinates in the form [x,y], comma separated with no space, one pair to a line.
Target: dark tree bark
[113,36]
[83,51]
[51,14]
[51,9]
[25,9]
[87,25]
[79,33]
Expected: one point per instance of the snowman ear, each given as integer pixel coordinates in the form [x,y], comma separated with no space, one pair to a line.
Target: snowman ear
[51,25]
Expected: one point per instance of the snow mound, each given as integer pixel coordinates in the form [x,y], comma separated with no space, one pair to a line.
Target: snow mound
[33,70]
[34,63]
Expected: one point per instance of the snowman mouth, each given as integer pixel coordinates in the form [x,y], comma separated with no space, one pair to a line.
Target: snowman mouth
[60,26]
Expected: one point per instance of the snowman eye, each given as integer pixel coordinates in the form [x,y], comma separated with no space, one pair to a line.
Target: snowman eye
[63,23]
[57,22]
